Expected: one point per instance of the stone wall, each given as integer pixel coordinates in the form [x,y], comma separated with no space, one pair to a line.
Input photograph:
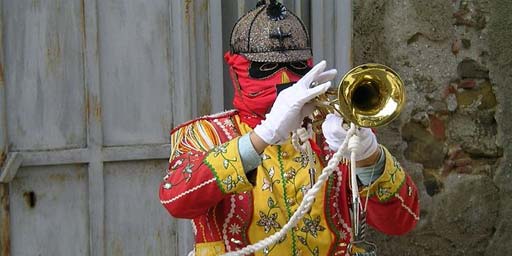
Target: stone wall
[453,135]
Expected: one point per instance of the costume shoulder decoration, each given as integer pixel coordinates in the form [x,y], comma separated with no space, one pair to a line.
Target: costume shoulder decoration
[200,134]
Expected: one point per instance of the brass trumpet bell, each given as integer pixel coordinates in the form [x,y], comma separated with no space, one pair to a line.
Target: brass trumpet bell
[369,95]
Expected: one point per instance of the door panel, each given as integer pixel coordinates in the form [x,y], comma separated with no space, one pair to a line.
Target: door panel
[49,211]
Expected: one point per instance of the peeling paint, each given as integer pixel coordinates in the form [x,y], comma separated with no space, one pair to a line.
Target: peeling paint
[97,108]
[92,106]
[188,6]
[58,177]
[3,156]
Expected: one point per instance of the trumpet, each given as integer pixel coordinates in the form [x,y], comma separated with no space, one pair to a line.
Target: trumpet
[369,95]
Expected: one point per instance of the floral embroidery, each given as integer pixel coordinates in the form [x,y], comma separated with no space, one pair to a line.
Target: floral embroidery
[187,172]
[343,235]
[284,165]
[389,182]
[269,184]
[290,174]
[177,164]
[219,150]
[266,185]
[234,229]
[302,159]
[230,184]
[311,227]
[268,222]
[223,161]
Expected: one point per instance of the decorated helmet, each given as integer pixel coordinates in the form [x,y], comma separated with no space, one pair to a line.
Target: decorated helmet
[271,33]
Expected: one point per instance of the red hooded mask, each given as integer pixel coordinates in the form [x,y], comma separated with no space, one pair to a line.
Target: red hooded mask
[256,84]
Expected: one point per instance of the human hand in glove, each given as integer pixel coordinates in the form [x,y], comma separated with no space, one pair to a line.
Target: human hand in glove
[291,105]
[365,145]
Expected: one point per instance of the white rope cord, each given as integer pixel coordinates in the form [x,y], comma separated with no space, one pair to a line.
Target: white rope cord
[304,206]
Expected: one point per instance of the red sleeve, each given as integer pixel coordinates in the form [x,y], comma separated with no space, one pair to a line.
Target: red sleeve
[397,215]
[393,207]
[189,189]
[204,167]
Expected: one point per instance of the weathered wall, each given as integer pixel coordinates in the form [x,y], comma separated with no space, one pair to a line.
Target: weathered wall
[88,93]
[453,136]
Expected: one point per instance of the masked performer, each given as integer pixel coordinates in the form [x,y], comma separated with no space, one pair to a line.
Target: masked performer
[238,175]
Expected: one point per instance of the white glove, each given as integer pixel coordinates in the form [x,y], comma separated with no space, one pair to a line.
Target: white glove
[291,105]
[364,143]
